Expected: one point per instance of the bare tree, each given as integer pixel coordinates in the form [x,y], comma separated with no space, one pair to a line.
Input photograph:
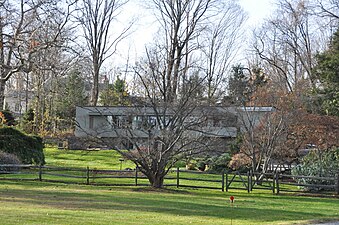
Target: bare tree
[20,24]
[265,130]
[97,20]
[220,46]
[181,23]
[328,8]
[174,126]
[262,138]
[287,43]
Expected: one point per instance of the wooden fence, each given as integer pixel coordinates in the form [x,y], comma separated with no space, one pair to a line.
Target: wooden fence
[249,181]
[198,179]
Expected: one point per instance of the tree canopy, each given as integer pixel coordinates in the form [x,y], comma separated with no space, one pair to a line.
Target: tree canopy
[115,94]
[327,71]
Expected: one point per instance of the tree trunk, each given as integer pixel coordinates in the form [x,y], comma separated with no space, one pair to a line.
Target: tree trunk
[157,181]
[95,87]
[2,94]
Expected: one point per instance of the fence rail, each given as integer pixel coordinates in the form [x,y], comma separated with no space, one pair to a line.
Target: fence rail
[249,181]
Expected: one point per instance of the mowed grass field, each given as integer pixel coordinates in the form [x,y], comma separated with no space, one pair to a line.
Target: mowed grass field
[23,202]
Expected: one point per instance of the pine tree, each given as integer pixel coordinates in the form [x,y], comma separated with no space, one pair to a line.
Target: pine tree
[327,71]
[115,94]
[72,94]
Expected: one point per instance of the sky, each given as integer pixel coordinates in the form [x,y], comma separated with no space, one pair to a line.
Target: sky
[257,9]
[134,46]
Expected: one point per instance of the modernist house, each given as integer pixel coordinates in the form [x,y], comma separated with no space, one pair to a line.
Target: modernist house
[113,123]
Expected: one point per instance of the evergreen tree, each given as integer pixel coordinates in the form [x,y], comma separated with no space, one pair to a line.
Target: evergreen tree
[72,94]
[242,85]
[327,71]
[237,85]
[115,94]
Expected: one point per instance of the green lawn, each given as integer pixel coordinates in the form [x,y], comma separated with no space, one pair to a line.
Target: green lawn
[104,159]
[46,203]
[49,203]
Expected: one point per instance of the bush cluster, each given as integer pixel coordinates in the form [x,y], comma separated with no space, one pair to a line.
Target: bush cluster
[29,149]
[318,164]
[7,118]
[215,164]
[219,163]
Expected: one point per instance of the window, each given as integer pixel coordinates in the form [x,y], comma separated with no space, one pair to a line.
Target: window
[97,122]
[152,120]
[91,122]
[17,107]
[137,122]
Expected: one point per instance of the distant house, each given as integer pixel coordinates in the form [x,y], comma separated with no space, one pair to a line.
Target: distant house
[114,123]
[17,101]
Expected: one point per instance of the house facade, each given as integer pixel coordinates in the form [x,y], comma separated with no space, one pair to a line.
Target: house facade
[123,122]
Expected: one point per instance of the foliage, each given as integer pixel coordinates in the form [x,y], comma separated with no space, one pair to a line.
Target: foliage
[327,70]
[219,163]
[180,164]
[115,94]
[236,144]
[242,85]
[240,162]
[276,137]
[191,166]
[319,130]
[319,164]
[7,118]
[29,115]
[264,138]
[29,30]
[29,149]
[27,121]
[201,165]
[237,85]
[72,94]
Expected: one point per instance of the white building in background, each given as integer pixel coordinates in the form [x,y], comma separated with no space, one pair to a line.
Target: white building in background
[17,101]
[112,123]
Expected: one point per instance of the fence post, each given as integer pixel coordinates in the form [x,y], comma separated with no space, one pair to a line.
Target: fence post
[223,181]
[251,180]
[40,173]
[87,175]
[273,183]
[226,180]
[136,176]
[337,183]
[178,177]
[248,182]
[277,182]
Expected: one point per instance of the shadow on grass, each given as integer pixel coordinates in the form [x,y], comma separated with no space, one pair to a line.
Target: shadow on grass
[172,202]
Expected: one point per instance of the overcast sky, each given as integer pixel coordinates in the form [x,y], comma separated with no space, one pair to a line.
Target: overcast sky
[257,9]
[134,45]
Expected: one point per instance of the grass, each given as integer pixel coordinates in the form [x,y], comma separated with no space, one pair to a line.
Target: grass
[48,203]
[103,159]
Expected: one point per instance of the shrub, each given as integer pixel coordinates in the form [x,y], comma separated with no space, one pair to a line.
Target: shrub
[319,164]
[7,158]
[29,149]
[190,166]
[240,162]
[7,118]
[180,164]
[201,165]
[219,163]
